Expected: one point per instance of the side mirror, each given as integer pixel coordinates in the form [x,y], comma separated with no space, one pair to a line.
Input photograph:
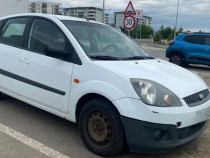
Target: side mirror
[57,52]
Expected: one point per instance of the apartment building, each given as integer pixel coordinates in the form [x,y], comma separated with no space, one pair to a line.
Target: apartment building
[119,20]
[45,7]
[9,7]
[92,13]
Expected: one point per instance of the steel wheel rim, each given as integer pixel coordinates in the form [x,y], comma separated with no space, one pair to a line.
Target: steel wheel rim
[99,128]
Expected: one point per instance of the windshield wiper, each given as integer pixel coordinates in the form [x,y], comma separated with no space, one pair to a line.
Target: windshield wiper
[104,57]
[138,58]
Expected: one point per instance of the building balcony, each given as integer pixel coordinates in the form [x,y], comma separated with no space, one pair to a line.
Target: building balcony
[92,18]
[92,14]
[91,10]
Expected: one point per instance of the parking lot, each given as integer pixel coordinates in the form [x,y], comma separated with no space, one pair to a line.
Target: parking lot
[29,132]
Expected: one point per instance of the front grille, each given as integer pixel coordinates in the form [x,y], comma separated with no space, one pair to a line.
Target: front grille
[189,131]
[196,97]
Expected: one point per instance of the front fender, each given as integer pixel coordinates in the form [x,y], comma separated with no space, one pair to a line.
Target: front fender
[99,87]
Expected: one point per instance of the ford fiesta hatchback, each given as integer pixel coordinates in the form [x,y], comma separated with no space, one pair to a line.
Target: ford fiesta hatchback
[91,74]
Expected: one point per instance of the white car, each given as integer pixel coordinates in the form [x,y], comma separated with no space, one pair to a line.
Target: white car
[91,74]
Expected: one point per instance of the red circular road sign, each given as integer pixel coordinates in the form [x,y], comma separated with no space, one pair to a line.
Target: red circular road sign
[129,22]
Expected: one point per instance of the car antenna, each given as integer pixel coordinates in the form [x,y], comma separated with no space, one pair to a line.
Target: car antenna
[85,18]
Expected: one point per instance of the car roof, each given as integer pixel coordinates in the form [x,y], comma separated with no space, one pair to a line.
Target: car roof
[51,16]
[196,33]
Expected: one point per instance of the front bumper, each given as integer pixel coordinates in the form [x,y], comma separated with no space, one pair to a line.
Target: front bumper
[185,116]
[152,138]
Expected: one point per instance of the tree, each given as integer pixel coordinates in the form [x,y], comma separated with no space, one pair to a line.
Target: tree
[146,31]
[158,37]
[180,30]
[166,32]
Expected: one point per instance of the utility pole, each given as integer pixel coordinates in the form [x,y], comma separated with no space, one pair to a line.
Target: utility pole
[176,20]
[103,11]
[136,27]
[140,27]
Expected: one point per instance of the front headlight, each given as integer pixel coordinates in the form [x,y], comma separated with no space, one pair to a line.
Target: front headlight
[155,94]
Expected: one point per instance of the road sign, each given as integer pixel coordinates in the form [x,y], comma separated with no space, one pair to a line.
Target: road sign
[139,14]
[130,9]
[129,22]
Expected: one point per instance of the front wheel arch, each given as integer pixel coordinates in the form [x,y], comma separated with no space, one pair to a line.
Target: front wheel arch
[86,98]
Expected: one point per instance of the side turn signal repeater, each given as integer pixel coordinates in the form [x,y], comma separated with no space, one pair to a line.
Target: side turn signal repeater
[76,80]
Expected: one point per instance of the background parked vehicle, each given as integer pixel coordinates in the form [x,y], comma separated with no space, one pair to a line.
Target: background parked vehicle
[190,48]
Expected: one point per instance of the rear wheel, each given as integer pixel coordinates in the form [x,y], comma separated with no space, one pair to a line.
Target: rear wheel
[101,128]
[177,59]
[0,95]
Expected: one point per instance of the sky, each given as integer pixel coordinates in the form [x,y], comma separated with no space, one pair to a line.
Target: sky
[193,15]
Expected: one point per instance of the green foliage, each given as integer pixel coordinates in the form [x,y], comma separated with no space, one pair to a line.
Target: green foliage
[146,31]
[168,32]
[158,37]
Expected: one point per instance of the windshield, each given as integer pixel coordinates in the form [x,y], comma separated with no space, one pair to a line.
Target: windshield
[104,42]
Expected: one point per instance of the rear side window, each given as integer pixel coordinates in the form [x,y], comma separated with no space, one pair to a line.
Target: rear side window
[13,31]
[195,39]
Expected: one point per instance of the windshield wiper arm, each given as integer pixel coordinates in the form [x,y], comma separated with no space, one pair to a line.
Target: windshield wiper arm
[104,57]
[138,58]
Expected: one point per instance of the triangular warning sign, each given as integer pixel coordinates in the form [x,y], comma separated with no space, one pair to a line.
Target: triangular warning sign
[130,9]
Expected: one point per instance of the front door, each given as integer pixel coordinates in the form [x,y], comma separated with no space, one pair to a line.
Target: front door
[46,80]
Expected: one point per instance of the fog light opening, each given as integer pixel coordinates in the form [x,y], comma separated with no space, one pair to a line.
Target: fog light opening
[158,135]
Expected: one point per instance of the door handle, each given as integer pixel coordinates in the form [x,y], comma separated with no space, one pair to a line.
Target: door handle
[24,60]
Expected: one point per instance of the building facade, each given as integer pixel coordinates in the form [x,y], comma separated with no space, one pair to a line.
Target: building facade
[91,13]
[119,20]
[43,7]
[9,7]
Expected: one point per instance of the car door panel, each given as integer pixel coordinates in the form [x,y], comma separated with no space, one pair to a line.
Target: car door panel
[9,61]
[11,42]
[45,80]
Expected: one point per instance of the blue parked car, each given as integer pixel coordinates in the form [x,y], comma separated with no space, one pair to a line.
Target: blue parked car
[193,48]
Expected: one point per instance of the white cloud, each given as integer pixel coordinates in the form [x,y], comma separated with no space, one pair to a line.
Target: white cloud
[193,14]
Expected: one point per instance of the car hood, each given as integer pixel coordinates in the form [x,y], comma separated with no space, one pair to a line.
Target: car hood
[179,80]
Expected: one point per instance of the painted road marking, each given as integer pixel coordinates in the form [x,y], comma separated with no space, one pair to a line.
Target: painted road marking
[32,143]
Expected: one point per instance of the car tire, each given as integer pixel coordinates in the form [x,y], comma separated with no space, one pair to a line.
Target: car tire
[101,128]
[177,59]
[0,95]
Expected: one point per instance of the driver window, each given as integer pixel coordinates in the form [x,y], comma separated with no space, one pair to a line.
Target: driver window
[44,34]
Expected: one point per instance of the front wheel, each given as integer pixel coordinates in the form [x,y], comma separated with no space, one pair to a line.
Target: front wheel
[177,59]
[101,128]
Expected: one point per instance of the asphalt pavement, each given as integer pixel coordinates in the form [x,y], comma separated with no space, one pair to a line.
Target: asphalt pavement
[26,131]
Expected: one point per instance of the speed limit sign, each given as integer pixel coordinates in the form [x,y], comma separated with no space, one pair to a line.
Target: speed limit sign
[129,22]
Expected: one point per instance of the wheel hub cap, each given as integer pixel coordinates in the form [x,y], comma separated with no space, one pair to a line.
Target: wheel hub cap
[99,128]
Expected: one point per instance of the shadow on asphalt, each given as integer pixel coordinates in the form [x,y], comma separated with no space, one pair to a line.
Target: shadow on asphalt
[199,67]
[53,131]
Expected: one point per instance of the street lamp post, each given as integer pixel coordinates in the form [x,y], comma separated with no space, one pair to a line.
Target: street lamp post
[176,20]
[103,11]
